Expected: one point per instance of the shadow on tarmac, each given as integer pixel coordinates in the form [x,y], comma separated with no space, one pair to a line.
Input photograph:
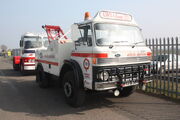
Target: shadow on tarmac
[24,95]
[14,73]
[21,95]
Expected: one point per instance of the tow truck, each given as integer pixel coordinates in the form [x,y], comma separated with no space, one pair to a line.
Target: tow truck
[105,53]
[29,44]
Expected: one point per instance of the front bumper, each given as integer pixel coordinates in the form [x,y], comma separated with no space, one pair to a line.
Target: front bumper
[121,76]
[29,67]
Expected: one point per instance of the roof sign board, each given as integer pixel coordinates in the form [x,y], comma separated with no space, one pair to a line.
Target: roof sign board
[115,16]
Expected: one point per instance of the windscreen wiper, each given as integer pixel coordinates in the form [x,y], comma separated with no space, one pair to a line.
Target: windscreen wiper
[111,46]
[134,44]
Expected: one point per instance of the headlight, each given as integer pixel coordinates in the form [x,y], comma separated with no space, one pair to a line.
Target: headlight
[104,75]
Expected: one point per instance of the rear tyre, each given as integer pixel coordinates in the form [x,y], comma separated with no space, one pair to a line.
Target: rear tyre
[15,67]
[127,91]
[42,78]
[73,90]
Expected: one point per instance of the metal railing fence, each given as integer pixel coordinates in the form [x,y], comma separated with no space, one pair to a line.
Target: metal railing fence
[165,66]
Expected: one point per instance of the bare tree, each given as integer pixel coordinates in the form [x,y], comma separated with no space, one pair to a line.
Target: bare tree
[3,47]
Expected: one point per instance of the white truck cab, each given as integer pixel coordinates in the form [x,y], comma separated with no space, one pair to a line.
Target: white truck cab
[106,52]
[29,44]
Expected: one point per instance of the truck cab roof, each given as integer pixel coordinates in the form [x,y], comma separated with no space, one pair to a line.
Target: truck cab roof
[111,17]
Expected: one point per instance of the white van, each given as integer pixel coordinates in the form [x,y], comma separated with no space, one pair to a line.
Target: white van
[164,62]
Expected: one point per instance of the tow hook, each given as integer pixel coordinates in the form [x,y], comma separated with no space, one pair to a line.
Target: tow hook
[116,92]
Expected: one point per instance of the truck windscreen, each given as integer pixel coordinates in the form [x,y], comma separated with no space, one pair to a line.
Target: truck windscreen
[115,34]
[32,42]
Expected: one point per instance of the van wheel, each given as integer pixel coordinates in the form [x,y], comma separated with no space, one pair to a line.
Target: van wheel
[161,70]
[23,72]
[73,90]
[15,67]
[42,78]
[127,91]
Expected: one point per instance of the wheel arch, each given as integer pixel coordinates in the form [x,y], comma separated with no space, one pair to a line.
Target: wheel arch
[72,65]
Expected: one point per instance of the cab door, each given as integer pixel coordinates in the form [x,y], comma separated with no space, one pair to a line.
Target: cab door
[83,52]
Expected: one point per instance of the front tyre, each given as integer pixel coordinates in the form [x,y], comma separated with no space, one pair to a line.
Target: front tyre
[42,78]
[23,72]
[73,90]
[127,91]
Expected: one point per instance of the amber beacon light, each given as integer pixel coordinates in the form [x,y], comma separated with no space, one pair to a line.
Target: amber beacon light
[87,16]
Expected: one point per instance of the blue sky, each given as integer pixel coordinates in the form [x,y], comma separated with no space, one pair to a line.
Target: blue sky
[157,18]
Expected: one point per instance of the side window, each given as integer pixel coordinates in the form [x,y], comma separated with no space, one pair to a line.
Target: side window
[89,37]
[86,36]
[81,38]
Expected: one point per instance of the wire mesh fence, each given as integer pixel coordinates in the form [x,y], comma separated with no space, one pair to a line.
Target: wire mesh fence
[165,66]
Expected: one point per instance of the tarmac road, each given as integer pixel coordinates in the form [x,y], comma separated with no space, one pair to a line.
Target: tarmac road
[22,99]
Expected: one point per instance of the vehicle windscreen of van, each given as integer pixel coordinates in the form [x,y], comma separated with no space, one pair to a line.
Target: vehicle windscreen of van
[29,51]
[113,34]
